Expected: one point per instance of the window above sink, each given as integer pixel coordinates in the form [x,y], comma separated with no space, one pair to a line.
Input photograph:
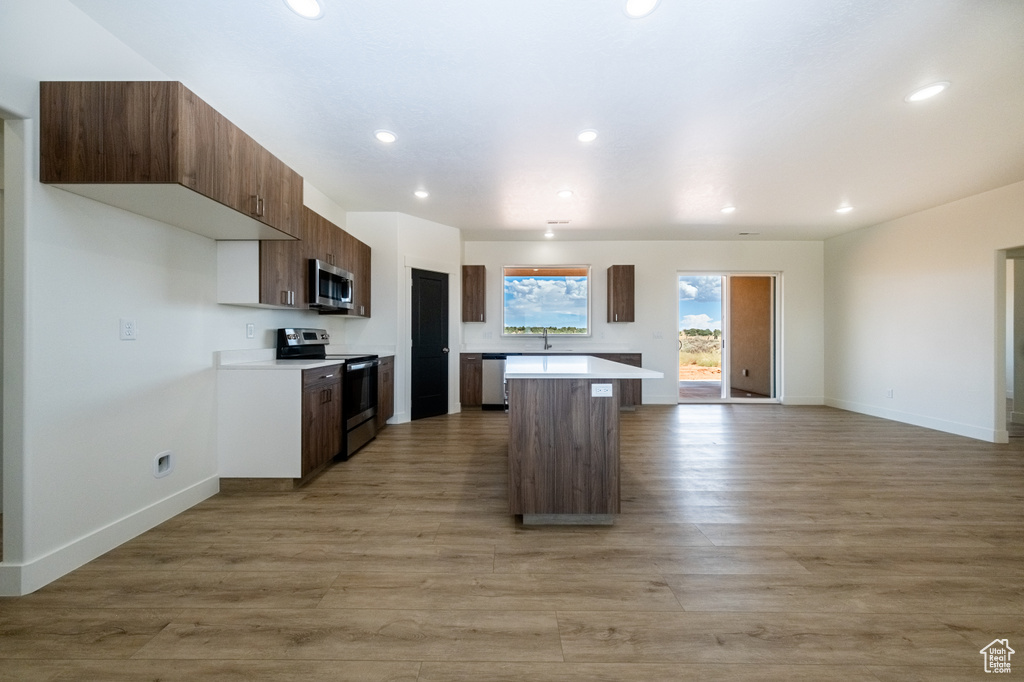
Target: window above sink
[555,298]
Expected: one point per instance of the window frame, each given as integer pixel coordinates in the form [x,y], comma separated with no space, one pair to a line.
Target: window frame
[527,335]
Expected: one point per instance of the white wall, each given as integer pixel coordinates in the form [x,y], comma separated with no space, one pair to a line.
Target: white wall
[916,305]
[400,242]
[85,413]
[2,126]
[655,333]
[1010,286]
[1015,346]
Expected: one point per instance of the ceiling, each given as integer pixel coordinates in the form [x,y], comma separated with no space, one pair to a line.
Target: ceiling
[785,109]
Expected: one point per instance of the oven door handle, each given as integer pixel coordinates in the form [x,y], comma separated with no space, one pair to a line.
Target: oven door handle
[361,365]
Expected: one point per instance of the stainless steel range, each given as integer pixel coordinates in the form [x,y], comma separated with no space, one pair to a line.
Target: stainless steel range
[358,383]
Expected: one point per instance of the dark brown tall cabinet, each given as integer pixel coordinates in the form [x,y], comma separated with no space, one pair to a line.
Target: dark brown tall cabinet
[471,377]
[321,417]
[621,306]
[385,390]
[474,293]
[356,259]
[186,164]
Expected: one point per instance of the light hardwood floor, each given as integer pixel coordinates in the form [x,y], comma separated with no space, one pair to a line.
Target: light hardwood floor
[757,542]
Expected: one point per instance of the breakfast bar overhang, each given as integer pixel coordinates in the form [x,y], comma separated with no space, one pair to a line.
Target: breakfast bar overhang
[563,451]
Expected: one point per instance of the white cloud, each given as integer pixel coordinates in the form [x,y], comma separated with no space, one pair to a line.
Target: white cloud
[687,292]
[546,301]
[701,321]
[704,288]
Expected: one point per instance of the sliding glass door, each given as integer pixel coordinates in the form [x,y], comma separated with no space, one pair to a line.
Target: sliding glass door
[727,337]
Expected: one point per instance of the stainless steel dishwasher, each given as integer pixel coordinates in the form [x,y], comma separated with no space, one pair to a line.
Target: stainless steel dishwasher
[494,380]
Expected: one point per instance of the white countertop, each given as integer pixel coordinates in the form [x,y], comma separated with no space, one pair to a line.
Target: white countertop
[572,367]
[266,358]
[550,351]
[280,364]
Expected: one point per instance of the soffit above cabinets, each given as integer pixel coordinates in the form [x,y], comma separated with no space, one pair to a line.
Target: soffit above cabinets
[785,110]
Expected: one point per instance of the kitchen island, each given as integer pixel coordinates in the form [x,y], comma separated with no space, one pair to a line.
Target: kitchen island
[563,451]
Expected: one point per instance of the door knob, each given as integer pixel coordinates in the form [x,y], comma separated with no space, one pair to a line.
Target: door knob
[445,349]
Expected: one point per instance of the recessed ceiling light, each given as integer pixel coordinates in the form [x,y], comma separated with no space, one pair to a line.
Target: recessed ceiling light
[640,8]
[844,209]
[926,92]
[422,193]
[729,209]
[588,135]
[549,234]
[307,9]
[565,193]
[385,136]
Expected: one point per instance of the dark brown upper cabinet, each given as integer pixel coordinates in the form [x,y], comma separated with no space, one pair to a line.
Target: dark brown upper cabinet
[331,244]
[474,290]
[156,149]
[621,307]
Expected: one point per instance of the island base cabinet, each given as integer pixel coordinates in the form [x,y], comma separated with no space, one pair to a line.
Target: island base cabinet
[563,451]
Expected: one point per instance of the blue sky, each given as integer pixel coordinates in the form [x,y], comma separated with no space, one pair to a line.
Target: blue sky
[546,302]
[700,302]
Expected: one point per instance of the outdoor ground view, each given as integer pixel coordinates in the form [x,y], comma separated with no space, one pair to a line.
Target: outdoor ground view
[700,328]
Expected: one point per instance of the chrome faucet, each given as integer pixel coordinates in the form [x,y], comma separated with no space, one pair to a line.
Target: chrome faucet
[546,344]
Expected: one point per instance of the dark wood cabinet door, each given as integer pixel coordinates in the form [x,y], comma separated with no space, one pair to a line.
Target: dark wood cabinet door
[361,295]
[205,148]
[621,307]
[354,256]
[471,379]
[160,132]
[279,189]
[321,417]
[474,293]
[385,391]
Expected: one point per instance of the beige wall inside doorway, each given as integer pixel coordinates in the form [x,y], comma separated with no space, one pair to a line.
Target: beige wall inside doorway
[750,334]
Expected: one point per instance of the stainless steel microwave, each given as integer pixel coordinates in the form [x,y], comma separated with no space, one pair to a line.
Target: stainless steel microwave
[330,287]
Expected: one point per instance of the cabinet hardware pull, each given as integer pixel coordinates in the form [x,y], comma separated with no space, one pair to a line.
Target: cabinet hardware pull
[259,206]
[284,297]
[327,376]
[481,317]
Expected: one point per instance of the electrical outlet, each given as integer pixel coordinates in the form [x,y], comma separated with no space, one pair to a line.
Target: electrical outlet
[250,331]
[888,393]
[600,390]
[129,330]
[163,464]
[657,335]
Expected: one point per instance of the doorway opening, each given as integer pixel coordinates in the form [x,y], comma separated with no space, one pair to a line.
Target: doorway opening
[1015,343]
[727,337]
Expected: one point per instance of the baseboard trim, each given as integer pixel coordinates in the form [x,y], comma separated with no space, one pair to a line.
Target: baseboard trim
[955,428]
[25,578]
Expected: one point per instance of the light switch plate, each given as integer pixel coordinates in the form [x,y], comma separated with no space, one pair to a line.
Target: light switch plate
[600,390]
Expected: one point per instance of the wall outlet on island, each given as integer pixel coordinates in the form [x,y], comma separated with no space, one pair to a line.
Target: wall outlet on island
[600,390]
[250,331]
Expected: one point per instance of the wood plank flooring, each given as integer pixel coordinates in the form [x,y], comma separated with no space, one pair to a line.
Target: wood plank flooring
[756,542]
